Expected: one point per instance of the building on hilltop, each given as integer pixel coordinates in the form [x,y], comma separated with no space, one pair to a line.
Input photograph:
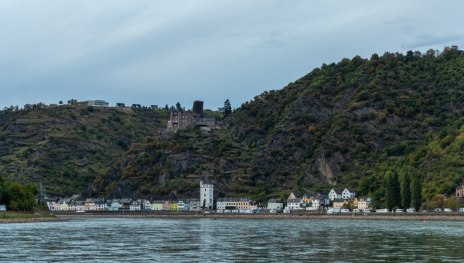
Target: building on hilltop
[206,195]
[95,103]
[181,119]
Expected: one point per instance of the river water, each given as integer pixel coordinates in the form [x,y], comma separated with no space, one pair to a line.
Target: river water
[232,240]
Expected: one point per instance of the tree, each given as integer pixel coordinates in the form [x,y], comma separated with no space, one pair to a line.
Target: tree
[21,197]
[60,102]
[406,192]
[452,203]
[227,108]
[416,193]
[178,106]
[392,190]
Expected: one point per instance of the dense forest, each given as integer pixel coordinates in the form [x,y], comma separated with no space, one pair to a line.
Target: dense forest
[345,124]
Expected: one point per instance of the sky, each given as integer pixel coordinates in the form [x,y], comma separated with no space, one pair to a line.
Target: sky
[154,52]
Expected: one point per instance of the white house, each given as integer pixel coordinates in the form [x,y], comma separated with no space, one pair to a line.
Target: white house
[89,204]
[100,205]
[135,205]
[206,195]
[335,194]
[194,205]
[72,206]
[80,207]
[2,208]
[146,205]
[115,205]
[316,204]
[348,194]
[181,205]
[275,204]
[295,204]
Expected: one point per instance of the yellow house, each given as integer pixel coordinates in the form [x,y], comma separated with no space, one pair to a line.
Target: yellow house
[307,199]
[338,203]
[173,206]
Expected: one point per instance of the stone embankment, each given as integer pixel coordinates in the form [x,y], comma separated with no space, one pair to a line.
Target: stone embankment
[308,216]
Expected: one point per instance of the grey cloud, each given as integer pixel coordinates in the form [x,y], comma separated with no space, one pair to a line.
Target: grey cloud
[428,41]
[158,52]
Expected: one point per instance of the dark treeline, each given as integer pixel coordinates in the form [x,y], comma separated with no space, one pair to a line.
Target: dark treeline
[17,196]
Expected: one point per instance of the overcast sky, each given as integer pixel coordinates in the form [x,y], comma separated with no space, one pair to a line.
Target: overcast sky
[161,52]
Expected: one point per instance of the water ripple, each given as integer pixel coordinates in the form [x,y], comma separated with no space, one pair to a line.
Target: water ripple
[232,240]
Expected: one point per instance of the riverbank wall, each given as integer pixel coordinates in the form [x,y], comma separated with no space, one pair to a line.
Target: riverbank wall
[300,216]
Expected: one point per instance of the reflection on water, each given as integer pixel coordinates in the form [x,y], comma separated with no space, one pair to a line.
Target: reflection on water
[232,240]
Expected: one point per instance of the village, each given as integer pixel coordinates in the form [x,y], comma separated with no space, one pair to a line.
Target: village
[337,201]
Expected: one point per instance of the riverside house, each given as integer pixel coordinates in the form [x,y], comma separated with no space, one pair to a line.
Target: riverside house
[157,205]
[460,192]
[2,208]
[233,204]
[173,205]
[275,204]
[363,203]
[115,205]
[146,205]
[125,204]
[341,194]
[295,204]
[135,205]
[339,203]
[335,194]
[348,194]
[167,205]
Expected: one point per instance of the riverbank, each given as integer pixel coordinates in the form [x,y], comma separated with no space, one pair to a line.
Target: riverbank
[17,217]
[299,216]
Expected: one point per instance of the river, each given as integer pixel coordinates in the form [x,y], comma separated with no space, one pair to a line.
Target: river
[232,240]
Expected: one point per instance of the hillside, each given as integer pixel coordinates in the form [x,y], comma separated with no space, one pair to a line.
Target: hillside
[66,147]
[344,124]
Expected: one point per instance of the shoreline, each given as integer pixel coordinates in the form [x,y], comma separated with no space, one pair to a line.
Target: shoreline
[302,216]
[30,220]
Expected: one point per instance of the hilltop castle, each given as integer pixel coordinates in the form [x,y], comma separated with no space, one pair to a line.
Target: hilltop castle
[181,119]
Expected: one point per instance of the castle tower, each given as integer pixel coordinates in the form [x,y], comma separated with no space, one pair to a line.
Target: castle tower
[206,195]
[198,107]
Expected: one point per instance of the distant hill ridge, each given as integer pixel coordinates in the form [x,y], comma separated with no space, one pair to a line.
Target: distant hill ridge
[343,124]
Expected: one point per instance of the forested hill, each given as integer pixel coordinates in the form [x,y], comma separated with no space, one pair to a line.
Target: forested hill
[343,124]
[66,147]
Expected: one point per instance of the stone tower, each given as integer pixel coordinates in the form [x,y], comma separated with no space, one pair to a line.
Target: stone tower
[198,107]
[206,195]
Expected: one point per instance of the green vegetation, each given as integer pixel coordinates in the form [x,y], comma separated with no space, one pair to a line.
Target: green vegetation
[392,190]
[406,192]
[67,147]
[416,194]
[348,124]
[18,197]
